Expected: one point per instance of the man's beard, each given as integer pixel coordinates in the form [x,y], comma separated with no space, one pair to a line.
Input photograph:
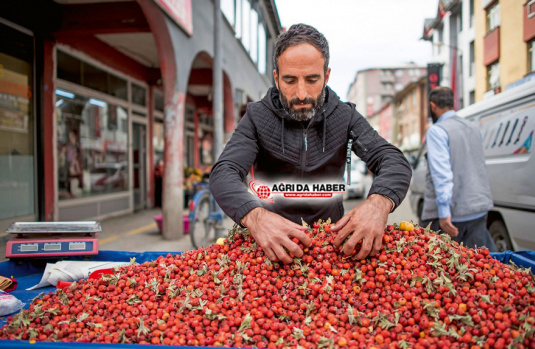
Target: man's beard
[303,114]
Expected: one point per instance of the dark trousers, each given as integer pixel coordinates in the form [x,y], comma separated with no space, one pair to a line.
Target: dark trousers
[471,233]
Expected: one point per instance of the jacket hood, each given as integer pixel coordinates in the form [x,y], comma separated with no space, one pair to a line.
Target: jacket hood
[272,101]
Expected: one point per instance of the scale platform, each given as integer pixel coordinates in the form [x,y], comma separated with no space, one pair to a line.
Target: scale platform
[52,239]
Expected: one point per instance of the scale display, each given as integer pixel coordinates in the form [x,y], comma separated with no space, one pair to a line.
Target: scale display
[46,248]
[50,239]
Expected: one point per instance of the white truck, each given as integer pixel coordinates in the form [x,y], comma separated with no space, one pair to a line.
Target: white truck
[507,123]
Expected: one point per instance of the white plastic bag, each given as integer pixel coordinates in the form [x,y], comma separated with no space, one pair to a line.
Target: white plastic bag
[9,303]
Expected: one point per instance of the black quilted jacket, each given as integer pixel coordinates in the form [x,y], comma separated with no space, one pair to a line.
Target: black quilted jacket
[284,150]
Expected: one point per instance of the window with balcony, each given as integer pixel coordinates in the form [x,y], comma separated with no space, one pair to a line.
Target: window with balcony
[471,8]
[471,66]
[461,17]
[472,97]
[493,76]
[493,16]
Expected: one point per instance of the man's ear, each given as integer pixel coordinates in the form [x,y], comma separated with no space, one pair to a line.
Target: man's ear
[276,78]
[327,74]
[433,105]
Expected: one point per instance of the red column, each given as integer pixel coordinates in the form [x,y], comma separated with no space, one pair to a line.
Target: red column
[49,150]
[150,148]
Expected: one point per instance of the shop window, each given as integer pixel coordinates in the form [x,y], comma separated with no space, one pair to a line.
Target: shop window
[227,7]
[472,97]
[493,76]
[246,29]
[94,78]
[262,55]
[158,141]
[139,95]
[17,161]
[92,146]
[71,69]
[254,35]
[239,25]
[117,87]
[493,16]
[206,150]
[158,100]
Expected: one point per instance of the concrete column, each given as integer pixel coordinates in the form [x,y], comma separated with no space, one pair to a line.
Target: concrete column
[174,99]
[173,194]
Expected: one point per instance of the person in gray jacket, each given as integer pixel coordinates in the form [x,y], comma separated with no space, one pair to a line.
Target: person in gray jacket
[457,194]
[301,132]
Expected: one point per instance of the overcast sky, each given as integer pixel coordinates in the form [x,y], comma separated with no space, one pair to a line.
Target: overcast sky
[364,33]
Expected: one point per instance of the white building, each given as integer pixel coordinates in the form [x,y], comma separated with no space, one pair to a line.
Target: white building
[452,34]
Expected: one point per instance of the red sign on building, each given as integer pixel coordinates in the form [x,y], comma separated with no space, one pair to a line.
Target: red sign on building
[179,11]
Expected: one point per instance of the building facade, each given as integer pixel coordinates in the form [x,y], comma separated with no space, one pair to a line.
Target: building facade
[505,33]
[484,46]
[410,116]
[96,92]
[375,87]
[382,122]
[451,34]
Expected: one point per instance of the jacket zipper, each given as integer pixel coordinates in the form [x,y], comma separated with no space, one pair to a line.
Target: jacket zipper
[304,157]
[305,142]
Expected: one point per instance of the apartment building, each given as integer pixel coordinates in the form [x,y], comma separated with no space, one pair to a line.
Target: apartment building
[373,88]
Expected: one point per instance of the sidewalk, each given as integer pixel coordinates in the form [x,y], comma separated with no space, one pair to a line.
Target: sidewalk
[136,232]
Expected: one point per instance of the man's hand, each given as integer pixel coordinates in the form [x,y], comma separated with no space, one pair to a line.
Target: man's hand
[448,227]
[365,222]
[274,234]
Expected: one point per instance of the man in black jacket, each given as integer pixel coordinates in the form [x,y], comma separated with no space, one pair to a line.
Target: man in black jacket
[300,133]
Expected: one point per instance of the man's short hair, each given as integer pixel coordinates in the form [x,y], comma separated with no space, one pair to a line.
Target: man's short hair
[442,97]
[301,34]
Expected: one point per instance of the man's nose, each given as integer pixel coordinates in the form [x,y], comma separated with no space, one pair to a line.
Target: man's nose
[301,91]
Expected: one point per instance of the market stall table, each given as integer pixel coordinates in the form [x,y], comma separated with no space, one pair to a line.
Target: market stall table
[29,272]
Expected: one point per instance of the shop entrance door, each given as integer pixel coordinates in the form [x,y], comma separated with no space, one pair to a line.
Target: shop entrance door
[139,149]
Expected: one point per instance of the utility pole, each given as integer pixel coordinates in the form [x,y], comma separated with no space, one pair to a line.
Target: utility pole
[217,95]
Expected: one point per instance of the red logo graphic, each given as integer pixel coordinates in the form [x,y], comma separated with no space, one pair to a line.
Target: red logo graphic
[261,190]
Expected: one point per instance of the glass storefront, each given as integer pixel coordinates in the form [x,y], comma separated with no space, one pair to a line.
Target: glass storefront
[92,146]
[158,141]
[17,162]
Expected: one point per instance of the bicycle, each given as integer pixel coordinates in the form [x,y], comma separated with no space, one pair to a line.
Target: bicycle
[205,217]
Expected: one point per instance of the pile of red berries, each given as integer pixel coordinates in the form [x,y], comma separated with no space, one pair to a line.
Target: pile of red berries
[421,291]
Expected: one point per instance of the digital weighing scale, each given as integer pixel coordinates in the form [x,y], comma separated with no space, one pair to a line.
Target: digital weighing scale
[52,239]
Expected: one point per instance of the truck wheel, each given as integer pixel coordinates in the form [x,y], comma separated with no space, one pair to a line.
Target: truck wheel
[499,234]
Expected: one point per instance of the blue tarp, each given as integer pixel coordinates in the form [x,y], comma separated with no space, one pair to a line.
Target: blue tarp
[29,274]
[524,259]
